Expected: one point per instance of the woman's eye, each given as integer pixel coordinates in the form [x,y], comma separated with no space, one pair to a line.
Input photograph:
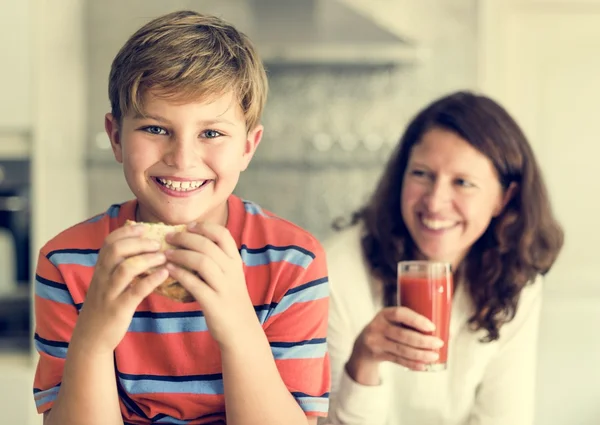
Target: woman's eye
[153,129]
[418,173]
[464,183]
[211,134]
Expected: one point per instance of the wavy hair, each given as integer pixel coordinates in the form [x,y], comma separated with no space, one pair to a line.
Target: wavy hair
[520,243]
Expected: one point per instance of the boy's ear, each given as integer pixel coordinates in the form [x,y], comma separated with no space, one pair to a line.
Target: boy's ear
[252,140]
[111,125]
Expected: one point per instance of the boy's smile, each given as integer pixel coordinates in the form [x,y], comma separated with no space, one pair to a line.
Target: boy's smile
[182,159]
[178,187]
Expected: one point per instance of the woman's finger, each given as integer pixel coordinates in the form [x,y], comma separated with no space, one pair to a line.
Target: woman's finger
[408,317]
[409,353]
[406,363]
[412,338]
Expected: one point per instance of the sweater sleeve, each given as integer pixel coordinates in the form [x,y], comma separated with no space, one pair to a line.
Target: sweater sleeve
[350,310]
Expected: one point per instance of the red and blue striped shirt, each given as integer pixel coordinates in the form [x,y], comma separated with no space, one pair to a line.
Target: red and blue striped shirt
[168,366]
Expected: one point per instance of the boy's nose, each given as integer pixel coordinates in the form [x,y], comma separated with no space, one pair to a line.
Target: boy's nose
[181,155]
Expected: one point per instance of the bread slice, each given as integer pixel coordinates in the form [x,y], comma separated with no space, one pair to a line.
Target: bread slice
[170,288]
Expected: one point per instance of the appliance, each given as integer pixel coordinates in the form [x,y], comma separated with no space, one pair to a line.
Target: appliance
[15,238]
[312,32]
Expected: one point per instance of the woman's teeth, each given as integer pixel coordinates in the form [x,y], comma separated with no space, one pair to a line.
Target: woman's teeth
[180,186]
[437,224]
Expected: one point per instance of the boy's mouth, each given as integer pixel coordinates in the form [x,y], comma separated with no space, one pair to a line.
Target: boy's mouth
[181,186]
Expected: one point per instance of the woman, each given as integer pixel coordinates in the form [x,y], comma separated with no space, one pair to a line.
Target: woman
[463,187]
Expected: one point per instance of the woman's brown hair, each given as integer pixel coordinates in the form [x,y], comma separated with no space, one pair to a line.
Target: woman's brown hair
[520,243]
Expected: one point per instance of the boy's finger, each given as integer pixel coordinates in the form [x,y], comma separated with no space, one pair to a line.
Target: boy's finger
[199,264]
[133,267]
[111,256]
[219,235]
[124,232]
[198,243]
[199,289]
[142,287]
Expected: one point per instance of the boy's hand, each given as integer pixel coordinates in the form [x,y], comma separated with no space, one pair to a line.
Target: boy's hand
[209,266]
[111,299]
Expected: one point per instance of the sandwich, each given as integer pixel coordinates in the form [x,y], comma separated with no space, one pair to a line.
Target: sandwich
[170,288]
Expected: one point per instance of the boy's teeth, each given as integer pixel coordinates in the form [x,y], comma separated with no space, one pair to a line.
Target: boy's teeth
[181,186]
[437,224]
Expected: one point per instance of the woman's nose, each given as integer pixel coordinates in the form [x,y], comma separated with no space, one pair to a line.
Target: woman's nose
[438,196]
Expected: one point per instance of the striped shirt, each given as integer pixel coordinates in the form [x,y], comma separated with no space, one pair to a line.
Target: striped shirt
[168,367]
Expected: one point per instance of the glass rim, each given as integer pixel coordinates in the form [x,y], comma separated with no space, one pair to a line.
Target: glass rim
[425,264]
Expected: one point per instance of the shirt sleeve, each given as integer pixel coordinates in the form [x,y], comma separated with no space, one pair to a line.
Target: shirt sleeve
[506,394]
[350,402]
[297,331]
[55,317]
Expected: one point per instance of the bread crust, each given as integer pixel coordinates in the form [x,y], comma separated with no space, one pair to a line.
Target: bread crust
[170,288]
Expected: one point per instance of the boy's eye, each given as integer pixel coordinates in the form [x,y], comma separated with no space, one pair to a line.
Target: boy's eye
[154,129]
[211,134]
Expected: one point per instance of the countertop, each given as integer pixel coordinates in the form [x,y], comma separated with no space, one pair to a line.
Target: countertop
[14,145]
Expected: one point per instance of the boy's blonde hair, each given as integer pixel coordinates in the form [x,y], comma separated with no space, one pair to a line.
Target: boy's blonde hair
[187,56]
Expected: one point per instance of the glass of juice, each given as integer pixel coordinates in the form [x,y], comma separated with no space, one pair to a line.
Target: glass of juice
[426,288]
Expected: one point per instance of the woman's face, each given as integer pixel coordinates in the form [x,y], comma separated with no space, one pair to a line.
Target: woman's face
[450,193]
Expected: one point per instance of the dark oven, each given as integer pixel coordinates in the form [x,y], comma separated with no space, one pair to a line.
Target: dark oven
[15,255]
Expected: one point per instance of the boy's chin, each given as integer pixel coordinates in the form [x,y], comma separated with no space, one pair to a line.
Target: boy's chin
[176,213]
[171,218]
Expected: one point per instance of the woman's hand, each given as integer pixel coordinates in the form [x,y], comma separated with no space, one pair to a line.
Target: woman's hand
[396,334]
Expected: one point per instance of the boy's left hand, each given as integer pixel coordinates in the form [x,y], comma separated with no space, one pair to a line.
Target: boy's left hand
[207,263]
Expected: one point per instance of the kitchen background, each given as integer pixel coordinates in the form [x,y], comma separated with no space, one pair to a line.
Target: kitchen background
[345,77]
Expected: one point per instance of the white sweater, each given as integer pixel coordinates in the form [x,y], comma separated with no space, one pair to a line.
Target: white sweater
[484,384]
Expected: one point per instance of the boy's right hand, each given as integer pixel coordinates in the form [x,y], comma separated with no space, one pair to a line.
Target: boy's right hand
[112,298]
[388,337]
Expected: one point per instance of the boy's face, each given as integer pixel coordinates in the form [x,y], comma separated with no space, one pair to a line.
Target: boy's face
[183,160]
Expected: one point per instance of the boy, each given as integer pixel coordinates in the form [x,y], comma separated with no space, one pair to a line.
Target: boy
[186,92]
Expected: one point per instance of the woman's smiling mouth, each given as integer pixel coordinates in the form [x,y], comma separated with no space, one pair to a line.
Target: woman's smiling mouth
[437,224]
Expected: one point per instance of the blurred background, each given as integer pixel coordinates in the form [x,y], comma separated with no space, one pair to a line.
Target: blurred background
[345,77]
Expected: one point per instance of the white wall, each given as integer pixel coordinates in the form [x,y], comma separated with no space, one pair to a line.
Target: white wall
[540,59]
[59,116]
[16,72]
[16,395]
[49,91]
